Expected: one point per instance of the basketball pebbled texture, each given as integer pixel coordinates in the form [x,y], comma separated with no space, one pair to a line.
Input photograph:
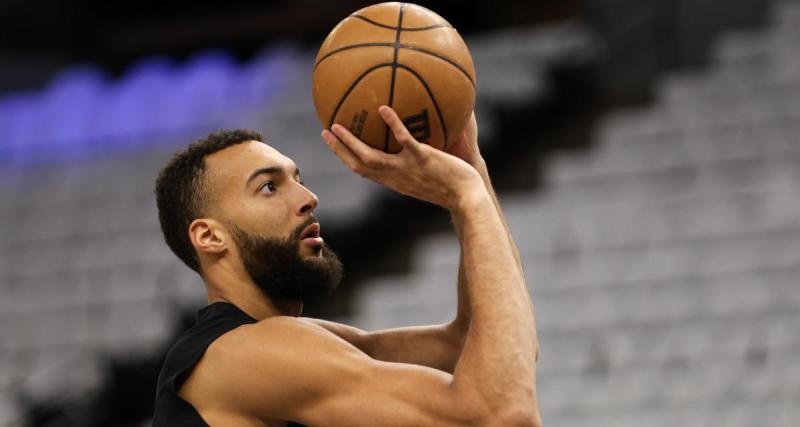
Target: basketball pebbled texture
[401,55]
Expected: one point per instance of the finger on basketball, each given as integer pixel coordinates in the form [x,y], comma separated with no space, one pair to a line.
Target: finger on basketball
[366,154]
[401,134]
[341,150]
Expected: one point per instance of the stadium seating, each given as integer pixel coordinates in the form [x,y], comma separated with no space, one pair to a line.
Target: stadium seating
[663,263]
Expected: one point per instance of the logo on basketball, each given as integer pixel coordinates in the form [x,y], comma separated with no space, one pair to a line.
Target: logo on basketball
[419,126]
[358,122]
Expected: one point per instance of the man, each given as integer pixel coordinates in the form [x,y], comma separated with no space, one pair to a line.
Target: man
[235,210]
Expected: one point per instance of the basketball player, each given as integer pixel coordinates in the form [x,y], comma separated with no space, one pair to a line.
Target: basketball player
[236,211]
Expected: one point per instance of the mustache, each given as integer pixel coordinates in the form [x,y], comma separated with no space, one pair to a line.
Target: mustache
[299,230]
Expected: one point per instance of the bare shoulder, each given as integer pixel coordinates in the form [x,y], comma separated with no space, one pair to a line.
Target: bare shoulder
[276,330]
[269,369]
[275,346]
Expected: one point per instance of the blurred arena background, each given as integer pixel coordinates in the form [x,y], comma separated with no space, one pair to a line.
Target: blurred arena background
[647,153]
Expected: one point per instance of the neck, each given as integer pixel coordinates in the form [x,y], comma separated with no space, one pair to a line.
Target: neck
[225,285]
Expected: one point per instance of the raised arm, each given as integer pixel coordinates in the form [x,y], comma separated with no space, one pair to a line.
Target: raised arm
[437,346]
[467,149]
[498,358]
[501,343]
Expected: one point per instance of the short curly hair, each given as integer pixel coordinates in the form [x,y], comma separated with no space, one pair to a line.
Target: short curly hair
[181,191]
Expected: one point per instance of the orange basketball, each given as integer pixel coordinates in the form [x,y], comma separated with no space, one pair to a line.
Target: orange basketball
[401,55]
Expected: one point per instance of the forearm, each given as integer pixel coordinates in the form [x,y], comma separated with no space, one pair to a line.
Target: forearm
[463,314]
[498,357]
[480,166]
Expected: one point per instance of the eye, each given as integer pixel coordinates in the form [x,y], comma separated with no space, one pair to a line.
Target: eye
[267,187]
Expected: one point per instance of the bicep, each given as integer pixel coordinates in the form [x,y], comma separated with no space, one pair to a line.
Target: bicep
[434,346]
[310,376]
[387,394]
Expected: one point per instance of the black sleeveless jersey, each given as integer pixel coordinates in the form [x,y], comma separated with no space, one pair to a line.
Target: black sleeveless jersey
[213,321]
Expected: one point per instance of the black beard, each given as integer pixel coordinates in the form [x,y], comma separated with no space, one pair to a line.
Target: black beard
[276,267]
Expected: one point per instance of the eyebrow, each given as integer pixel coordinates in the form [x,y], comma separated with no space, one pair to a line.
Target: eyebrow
[272,170]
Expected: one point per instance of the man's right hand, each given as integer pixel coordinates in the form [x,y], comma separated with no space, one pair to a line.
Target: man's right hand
[418,170]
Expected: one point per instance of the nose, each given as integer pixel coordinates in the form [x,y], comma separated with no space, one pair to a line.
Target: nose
[309,202]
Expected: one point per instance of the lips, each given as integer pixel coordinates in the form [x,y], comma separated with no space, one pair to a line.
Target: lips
[310,235]
[310,231]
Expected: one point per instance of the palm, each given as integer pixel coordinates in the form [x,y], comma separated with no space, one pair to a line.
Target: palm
[418,170]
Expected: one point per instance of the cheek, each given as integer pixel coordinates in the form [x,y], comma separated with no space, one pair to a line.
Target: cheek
[268,218]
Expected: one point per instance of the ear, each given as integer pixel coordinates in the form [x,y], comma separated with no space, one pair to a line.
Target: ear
[207,236]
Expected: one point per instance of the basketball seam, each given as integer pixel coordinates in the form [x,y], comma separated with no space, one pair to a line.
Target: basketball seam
[352,46]
[433,99]
[443,58]
[350,89]
[389,27]
[394,72]
[398,46]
